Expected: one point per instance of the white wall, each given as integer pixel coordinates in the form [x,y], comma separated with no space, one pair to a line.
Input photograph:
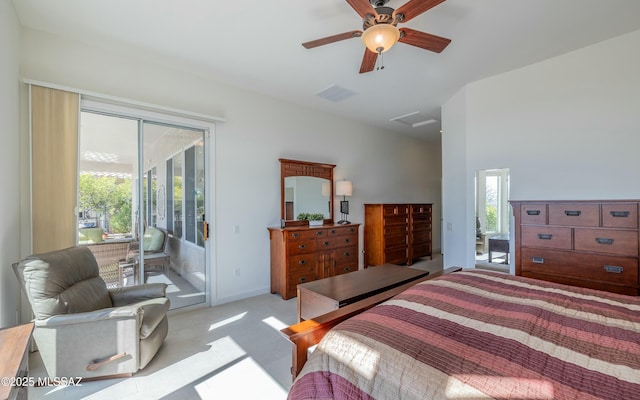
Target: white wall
[567,128]
[258,130]
[9,161]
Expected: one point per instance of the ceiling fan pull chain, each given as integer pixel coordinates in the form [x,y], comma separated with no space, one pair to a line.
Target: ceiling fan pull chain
[381,61]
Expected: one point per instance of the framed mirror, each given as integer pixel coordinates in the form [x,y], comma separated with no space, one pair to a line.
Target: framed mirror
[306,188]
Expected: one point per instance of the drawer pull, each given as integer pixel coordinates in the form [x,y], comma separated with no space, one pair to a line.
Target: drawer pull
[545,236]
[302,262]
[319,233]
[347,240]
[347,269]
[533,212]
[302,279]
[333,231]
[302,246]
[295,235]
[537,260]
[325,243]
[346,254]
[620,214]
[613,268]
[572,213]
[604,241]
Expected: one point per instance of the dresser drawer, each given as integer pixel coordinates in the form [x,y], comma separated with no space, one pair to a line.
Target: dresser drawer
[422,236]
[396,256]
[421,250]
[395,241]
[348,255]
[302,262]
[418,210]
[301,246]
[546,236]
[574,214]
[608,241]
[623,215]
[395,230]
[394,209]
[421,225]
[342,231]
[304,235]
[334,242]
[533,214]
[399,220]
[298,276]
[615,270]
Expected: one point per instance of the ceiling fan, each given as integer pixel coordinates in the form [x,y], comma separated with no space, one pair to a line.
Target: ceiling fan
[379,29]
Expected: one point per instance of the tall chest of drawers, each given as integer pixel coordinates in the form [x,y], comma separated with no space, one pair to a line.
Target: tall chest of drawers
[582,243]
[397,233]
[304,254]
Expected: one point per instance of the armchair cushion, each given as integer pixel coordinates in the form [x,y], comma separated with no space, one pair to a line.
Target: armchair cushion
[63,282]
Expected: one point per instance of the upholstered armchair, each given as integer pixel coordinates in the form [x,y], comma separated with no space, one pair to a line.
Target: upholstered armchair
[81,327]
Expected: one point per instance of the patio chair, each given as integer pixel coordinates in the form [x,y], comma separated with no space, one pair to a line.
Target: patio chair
[154,243]
[111,259]
[83,329]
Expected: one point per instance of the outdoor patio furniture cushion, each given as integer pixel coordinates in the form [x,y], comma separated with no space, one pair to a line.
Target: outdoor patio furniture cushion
[153,240]
[90,235]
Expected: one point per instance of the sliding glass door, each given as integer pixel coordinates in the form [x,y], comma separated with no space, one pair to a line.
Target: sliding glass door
[142,189]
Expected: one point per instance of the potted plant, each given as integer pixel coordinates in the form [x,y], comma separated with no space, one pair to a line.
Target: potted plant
[313,218]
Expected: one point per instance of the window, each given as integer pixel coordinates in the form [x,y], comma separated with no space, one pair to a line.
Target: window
[187,206]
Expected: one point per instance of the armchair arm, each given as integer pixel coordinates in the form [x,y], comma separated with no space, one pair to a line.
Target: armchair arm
[134,294]
[116,313]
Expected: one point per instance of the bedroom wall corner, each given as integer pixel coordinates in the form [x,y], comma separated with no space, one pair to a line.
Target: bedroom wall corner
[457,227]
[9,161]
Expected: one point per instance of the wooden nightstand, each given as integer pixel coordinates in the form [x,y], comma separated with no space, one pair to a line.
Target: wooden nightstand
[14,359]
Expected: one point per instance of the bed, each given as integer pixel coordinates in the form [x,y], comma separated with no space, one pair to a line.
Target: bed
[478,334]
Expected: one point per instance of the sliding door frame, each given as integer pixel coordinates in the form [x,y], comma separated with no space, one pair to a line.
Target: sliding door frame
[159,117]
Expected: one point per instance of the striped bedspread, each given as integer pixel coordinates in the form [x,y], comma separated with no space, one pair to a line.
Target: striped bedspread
[479,334]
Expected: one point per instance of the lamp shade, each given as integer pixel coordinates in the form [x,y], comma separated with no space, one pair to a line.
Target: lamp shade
[380,38]
[344,188]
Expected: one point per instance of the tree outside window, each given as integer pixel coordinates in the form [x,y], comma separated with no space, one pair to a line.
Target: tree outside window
[108,201]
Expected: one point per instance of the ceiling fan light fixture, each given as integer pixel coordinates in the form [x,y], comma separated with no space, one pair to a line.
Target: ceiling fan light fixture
[381,37]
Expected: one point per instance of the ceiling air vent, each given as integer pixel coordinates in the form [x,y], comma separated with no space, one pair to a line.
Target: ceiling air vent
[414,119]
[335,93]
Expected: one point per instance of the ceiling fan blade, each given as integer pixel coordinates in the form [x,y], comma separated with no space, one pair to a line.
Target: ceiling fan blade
[413,8]
[423,40]
[363,7]
[332,39]
[368,61]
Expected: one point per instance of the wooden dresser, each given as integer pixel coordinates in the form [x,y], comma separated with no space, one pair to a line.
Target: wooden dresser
[582,243]
[304,254]
[397,233]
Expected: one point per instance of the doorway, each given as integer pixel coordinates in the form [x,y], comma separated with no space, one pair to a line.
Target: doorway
[142,203]
[492,219]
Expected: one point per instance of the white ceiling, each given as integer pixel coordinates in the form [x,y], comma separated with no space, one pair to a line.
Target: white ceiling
[256,45]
